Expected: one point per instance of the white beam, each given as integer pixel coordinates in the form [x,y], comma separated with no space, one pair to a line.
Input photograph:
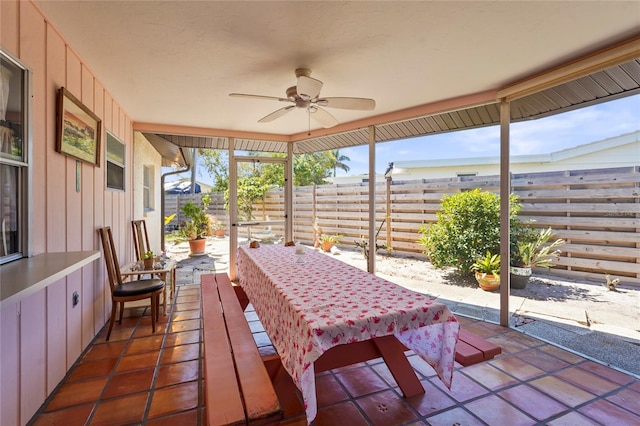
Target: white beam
[288,195]
[233,209]
[371,267]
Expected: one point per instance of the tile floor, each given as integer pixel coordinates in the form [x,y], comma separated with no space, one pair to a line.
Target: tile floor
[156,379]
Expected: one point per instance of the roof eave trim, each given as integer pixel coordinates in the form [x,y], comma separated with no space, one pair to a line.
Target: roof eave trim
[171,129]
[438,107]
[603,59]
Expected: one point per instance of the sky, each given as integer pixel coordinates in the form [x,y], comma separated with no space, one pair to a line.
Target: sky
[540,136]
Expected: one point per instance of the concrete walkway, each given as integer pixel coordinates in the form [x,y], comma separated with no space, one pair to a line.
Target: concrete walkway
[609,341]
[583,318]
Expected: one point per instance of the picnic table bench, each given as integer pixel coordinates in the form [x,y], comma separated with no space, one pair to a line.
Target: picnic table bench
[237,387]
[472,349]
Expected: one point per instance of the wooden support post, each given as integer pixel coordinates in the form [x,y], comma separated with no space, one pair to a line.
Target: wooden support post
[505,193]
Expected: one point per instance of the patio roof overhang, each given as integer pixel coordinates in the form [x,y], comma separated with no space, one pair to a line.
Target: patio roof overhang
[431,67]
[600,77]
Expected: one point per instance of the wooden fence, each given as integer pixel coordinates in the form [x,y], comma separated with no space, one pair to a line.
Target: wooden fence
[596,211]
[173,204]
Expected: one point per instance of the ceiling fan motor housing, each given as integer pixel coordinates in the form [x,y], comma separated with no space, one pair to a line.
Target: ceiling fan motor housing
[292,94]
[306,95]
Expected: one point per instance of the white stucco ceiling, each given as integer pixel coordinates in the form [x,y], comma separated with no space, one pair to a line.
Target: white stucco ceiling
[176,62]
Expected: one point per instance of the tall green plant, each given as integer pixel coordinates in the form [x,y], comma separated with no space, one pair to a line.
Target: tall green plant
[538,252]
[468,226]
[198,225]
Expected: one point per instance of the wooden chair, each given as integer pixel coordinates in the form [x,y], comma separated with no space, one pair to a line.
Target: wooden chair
[140,237]
[131,290]
[141,245]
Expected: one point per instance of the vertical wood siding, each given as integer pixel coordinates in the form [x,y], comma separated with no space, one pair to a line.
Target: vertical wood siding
[42,335]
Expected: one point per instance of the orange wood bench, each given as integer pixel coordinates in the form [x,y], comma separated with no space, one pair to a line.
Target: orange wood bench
[472,349]
[238,389]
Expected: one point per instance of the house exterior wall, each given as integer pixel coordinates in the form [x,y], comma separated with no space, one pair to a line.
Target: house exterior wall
[42,335]
[145,155]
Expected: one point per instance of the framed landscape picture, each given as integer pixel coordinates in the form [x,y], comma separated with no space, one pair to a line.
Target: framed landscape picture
[78,129]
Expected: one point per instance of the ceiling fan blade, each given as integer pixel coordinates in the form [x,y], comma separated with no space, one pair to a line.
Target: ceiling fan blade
[308,88]
[364,104]
[322,117]
[266,98]
[276,114]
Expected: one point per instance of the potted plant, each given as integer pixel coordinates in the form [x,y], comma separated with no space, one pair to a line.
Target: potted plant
[148,259]
[519,272]
[328,241]
[216,226]
[196,229]
[487,271]
[533,251]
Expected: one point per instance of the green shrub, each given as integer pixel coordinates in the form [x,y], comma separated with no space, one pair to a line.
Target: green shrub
[468,226]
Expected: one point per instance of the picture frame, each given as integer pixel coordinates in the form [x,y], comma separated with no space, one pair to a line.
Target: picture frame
[79,130]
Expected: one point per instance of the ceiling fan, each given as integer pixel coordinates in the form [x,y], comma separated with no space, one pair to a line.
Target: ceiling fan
[306,94]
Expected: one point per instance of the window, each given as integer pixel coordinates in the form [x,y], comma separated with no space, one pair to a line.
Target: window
[14,167]
[147,187]
[115,163]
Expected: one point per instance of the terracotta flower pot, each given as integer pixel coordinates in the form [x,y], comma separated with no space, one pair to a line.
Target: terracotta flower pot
[148,263]
[326,245]
[488,282]
[219,233]
[196,247]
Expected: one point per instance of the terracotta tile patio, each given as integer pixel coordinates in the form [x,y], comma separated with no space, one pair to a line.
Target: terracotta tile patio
[154,379]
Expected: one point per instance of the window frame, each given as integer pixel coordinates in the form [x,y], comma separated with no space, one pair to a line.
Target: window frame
[108,161]
[148,201]
[23,166]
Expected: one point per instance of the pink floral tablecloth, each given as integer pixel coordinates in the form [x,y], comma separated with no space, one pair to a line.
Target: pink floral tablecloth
[312,302]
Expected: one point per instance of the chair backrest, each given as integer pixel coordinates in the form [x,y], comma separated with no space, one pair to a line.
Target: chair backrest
[140,237]
[110,257]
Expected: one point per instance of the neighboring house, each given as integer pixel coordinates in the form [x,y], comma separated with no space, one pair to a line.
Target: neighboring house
[351,179]
[183,186]
[619,151]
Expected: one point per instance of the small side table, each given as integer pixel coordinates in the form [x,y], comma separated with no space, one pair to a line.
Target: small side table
[163,268]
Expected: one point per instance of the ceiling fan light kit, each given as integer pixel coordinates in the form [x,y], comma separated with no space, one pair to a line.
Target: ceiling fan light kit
[306,94]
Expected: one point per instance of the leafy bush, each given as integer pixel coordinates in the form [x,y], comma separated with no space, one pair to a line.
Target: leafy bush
[468,226]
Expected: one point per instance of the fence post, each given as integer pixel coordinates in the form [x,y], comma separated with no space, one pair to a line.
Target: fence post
[314,210]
